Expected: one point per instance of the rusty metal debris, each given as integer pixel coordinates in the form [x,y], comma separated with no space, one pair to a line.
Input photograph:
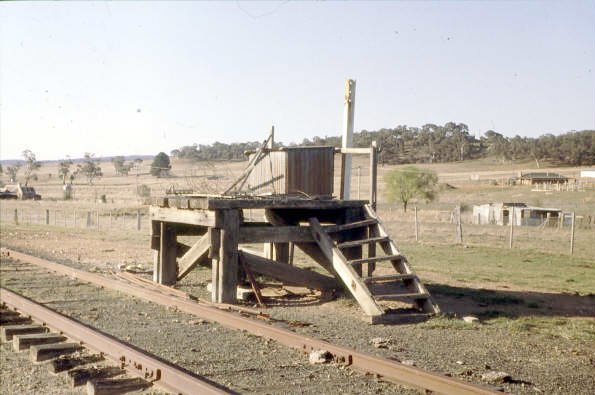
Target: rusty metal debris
[387,370]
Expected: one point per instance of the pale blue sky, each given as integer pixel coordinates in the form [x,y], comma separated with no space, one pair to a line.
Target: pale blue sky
[142,77]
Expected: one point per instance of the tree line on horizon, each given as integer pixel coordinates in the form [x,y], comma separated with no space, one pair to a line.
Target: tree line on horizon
[432,143]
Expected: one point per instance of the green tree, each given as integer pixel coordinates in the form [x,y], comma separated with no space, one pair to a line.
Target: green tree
[31,165]
[161,165]
[408,183]
[64,169]
[121,167]
[90,167]
[12,171]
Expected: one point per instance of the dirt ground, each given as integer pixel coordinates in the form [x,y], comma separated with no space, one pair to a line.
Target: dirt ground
[537,361]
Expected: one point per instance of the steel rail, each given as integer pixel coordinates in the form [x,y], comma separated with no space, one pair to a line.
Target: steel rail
[386,369]
[138,362]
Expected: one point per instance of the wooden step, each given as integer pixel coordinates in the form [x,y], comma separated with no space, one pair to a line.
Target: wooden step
[375,259]
[414,296]
[389,277]
[351,225]
[355,243]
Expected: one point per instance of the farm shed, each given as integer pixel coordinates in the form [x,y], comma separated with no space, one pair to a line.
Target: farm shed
[500,213]
[542,178]
[294,170]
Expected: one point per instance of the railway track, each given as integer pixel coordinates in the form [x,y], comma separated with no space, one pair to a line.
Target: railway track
[385,369]
[43,345]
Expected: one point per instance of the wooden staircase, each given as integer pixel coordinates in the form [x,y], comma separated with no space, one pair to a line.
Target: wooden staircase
[376,294]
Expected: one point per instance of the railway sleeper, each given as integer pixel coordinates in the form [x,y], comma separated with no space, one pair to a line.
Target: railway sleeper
[59,355]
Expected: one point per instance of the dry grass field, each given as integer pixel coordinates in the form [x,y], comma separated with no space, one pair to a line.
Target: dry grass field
[533,295]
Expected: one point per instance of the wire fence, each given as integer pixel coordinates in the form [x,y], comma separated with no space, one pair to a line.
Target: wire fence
[572,235]
[78,218]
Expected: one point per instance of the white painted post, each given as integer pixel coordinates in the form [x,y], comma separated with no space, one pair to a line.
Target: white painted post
[572,233]
[271,143]
[347,141]
[511,220]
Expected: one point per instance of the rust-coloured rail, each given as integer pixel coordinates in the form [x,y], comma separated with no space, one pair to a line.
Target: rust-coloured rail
[388,370]
[138,362]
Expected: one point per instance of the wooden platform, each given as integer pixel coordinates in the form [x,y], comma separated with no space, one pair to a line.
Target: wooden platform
[332,232]
[212,202]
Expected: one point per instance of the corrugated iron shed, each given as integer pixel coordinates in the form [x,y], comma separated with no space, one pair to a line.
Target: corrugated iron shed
[294,170]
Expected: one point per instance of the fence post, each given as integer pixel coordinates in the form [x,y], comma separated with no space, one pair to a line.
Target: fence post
[459,226]
[47,216]
[511,220]
[97,216]
[88,219]
[416,228]
[572,233]
[74,219]
[138,219]
[16,216]
[110,219]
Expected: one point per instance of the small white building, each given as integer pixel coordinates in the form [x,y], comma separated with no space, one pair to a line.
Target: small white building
[522,215]
[588,173]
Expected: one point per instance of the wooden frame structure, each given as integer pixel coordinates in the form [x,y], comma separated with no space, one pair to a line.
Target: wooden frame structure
[333,232]
[219,221]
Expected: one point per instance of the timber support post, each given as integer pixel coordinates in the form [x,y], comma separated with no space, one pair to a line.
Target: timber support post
[276,251]
[227,267]
[167,265]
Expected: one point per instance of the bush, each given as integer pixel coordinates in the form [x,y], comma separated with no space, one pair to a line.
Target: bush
[161,165]
[143,190]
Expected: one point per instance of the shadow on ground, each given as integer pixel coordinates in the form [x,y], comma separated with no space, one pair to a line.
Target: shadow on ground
[465,301]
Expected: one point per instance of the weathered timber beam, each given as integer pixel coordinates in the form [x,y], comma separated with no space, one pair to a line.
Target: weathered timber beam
[275,234]
[286,273]
[197,254]
[353,151]
[223,203]
[192,217]
[189,230]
